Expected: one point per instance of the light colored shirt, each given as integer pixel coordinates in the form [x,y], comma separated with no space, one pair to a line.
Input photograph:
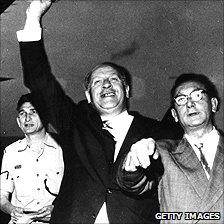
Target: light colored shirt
[28,36]
[33,177]
[210,142]
[31,32]
[120,125]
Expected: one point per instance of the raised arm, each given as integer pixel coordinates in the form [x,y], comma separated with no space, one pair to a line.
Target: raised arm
[58,108]
[141,169]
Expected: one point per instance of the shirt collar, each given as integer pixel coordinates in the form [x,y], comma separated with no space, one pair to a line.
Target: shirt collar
[119,120]
[48,141]
[210,142]
[206,139]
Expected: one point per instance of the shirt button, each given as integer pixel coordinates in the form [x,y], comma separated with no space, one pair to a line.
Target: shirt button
[38,203]
[37,174]
[109,191]
[38,188]
[37,160]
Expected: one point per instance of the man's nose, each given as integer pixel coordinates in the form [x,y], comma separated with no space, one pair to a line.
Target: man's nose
[106,83]
[190,102]
[27,117]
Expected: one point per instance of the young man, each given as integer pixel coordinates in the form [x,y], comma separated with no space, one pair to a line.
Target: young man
[97,133]
[193,179]
[32,169]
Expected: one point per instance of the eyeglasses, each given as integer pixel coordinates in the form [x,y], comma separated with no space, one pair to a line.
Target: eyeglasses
[195,96]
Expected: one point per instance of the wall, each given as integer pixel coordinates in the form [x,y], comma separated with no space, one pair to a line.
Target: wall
[155,40]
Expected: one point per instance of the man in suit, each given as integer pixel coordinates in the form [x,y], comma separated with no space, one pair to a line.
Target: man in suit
[96,134]
[192,183]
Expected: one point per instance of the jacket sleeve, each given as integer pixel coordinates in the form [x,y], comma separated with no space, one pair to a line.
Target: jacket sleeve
[141,180]
[58,107]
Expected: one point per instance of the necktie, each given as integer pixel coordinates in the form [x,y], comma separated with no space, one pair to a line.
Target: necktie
[202,158]
[106,125]
[110,148]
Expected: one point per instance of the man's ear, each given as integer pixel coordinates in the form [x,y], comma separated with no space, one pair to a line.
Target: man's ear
[127,91]
[88,97]
[214,103]
[174,114]
[18,122]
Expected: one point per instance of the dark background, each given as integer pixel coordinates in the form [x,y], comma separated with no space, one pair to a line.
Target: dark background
[155,40]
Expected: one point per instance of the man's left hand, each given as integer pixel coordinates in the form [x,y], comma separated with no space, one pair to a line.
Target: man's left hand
[44,214]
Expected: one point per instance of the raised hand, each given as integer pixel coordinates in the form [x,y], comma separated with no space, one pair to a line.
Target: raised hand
[38,7]
[140,154]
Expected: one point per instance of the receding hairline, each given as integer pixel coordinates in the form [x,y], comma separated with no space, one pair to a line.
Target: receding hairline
[202,85]
[120,71]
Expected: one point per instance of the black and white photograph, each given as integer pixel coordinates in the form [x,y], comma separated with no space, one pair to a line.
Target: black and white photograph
[111,112]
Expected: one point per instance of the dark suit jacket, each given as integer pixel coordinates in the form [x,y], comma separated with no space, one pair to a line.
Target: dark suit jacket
[90,178]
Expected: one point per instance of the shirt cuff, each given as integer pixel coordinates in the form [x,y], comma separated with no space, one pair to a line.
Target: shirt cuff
[29,35]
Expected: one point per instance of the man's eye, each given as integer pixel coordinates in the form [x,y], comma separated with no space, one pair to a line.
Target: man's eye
[33,112]
[96,82]
[115,79]
[21,114]
[196,94]
[180,98]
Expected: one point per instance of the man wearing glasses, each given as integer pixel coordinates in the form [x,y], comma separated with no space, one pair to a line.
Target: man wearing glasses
[32,168]
[191,188]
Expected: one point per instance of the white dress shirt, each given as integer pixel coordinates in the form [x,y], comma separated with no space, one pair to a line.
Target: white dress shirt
[210,142]
[120,125]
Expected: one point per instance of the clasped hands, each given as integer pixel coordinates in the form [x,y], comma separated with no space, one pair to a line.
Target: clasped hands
[19,216]
[140,155]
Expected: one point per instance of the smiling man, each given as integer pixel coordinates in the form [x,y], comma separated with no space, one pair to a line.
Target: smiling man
[97,133]
[32,169]
[193,180]
[108,90]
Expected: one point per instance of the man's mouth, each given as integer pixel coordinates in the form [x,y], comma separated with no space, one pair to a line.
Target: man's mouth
[193,114]
[28,125]
[110,94]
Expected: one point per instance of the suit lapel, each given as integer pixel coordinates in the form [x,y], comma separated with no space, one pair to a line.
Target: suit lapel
[189,163]
[216,185]
[91,151]
[135,133]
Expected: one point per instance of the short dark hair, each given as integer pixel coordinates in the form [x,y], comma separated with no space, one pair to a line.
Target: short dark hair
[35,101]
[122,72]
[202,79]
[26,98]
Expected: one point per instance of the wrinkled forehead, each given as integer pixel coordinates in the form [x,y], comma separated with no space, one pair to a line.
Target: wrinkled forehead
[104,71]
[26,106]
[187,87]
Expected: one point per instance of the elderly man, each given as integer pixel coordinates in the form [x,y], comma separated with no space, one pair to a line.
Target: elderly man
[192,183]
[32,169]
[97,133]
